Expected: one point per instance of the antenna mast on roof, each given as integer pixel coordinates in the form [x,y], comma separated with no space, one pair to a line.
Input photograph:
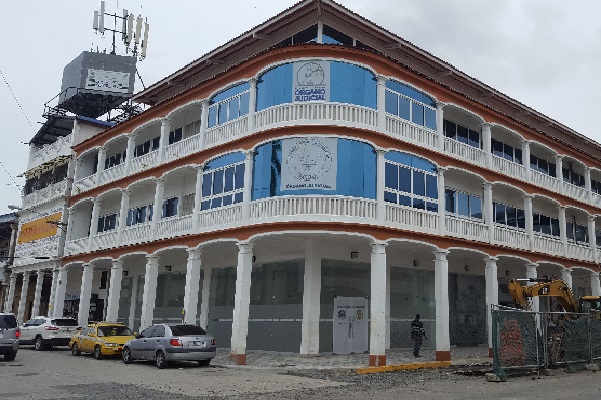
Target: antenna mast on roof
[130,30]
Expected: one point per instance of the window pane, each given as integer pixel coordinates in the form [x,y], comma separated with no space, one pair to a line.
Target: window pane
[545,224]
[500,214]
[419,183]
[239,178]
[463,204]
[521,218]
[511,216]
[450,129]
[404,110]
[570,230]
[229,179]
[536,223]
[497,148]
[418,114]
[431,118]
[405,180]
[234,108]
[222,113]
[449,201]
[392,103]
[555,227]
[432,186]
[462,134]
[218,182]
[474,139]
[475,207]
[405,201]
[390,197]
[419,204]
[238,198]
[207,184]
[391,176]
[227,200]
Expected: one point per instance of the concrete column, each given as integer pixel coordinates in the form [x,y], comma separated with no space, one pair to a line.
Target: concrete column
[203,320]
[70,221]
[112,309]
[492,295]
[197,198]
[204,122]
[440,125]
[241,304]
[123,211]
[487,143]
[311,296]
[61,290]
[53,292]
[532,274]
[133,302]
[85,294]
[528,215]
[76,170]
[526,159]
[441,289]
[377,320]
[164,138]
[35,311]
[381,103]
[559,172]
[387,306]
[247,193]
[150,290]
[129,153]
[595,284]
[8,307]
[157,207]
[561,210]
[566,275]
[100,167]
[592,237]
[380,184]
[192,286]
[94,221]
[252,104]
[587,183]
[23,300]
[488,211]
[442,229]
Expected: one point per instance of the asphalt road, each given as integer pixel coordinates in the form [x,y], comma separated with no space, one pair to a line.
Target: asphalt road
[57,374]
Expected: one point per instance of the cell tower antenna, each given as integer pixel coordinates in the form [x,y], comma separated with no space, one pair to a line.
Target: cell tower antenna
[133,30]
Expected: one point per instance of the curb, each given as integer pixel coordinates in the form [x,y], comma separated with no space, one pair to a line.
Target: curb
[403,367]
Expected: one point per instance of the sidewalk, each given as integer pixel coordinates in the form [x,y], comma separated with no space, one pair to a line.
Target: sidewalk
[292,361]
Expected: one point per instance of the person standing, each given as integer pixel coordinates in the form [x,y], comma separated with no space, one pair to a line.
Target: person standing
[417,333]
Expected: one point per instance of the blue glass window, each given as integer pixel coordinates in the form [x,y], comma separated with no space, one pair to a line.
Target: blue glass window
[107,223]
[510,216]
[571,176]
[463,204]
[411,181]
[170,207]
[506,151]
[139,215]
[409,104]
[175,135]
[545,224]
[229,104]
[464,135]
[332,36]
[356,166]
[543,166]
[223,182]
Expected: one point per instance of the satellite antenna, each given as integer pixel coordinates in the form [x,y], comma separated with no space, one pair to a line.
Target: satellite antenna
[133,30]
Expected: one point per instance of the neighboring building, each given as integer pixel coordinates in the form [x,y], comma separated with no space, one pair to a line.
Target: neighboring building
[319,156]
[8,239]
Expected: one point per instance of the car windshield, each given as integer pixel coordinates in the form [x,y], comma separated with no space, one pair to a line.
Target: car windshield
[114,331]
[187,330]
[8,321]
[64,322]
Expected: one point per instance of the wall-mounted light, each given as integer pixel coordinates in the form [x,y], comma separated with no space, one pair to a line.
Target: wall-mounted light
[254,258]
[415,263]
[507,273]
[467,268]
[125,273]
[354,254]
[168,268]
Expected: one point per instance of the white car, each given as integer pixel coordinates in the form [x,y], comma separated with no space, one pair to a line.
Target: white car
[45,332]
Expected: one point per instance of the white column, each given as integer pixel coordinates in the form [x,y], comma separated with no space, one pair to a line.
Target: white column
[247,193]
[566,275]
[129,153]
[133,301]
[164,138]
[252,104]
[387,306]
[587,183]
[204,122]
[85,294]
[440,125]
[35,311]
[380,183]
[559,172]
[492,293]
[157,208]
[61,290]
[441,289]
[203,320]
[487,143]
[488,211]
[52,303]
[94,221]
[526,159]
[8,307]
[197,198]
[592,237]
[150,290]
[442,229]
[192,286]
[241,304]
[123,211]
[595,288]
[76,171]
[377,317]
[112,309]
[532,274]
[311,296]
[381,102]
[561,210]
[528,215]
[70,221]
[100,166]
[23,300]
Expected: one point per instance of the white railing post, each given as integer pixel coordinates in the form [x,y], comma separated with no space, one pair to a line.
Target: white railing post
[380,183]
[488,211]
[123,211]
[442,230]
[252,104]
[592,237]
[157,207]
[528,216]
[526,159]
[164,138]
[197,198]
[129,153]
[204,122]
[561,210]
[247,194]
[94,222]
[487,144]
[440,125]
[381,103]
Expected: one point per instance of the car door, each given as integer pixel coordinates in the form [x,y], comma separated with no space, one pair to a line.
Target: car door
[28,330]
[86,340]
[153,343]
[79,338]
[138,345]
[147,343]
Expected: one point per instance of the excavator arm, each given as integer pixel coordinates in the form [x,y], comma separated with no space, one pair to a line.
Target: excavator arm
[556,288]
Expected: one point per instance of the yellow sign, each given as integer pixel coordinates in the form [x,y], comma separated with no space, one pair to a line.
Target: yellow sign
[39,229]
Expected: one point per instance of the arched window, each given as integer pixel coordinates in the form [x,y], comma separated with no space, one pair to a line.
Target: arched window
[410,181]
[229,104]
[223,181]
[411,105]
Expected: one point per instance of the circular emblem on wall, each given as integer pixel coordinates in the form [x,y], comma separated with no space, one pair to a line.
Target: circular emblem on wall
[309,160]
[310,74]
[341,314]
[359,314]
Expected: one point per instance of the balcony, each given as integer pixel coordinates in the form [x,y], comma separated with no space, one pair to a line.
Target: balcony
[465,152]
[508,167]
[412,218]
[408,131]
[466,228]
[61,147]
[45,195]
[513,237]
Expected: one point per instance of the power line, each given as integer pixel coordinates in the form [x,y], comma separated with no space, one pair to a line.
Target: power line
[10,176]
[16,101]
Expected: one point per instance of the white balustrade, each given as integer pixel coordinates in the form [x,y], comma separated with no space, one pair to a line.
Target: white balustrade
[146,161]
[576,192]
[104,240]
[76,246]
[466,228]
[411,132]
[411,217]
[220,217]
[349,207]
[580,252]
[596,199]
[507,236]
[112,174]
[182,148]
[465,151]
[30,200]
[226,132]
[58,189]
[507,167]
[136,233]
[548,244]
[83,185]
[544,180]
[174,226]
[61,147]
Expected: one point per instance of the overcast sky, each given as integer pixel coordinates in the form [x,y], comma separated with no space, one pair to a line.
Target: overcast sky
[543,53]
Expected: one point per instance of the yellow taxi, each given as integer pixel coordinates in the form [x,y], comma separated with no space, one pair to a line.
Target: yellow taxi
[101,339]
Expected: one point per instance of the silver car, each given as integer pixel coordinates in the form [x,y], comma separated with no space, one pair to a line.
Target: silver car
[9,336]
[163,343]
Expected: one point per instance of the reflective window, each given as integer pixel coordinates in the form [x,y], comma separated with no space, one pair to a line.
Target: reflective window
[147,146]
[114,159]
[508,215]
[407,103]
[332,36]
[229,104]
[411,181]
[571,176]
[463,204]
[506,151]
[305,36]
[223,182]
[576,233]
[355,164]
[139,215]
[170,207]
[462,134]
[545,224]
[175,135]
[543,166]
[595,186]
[107,223]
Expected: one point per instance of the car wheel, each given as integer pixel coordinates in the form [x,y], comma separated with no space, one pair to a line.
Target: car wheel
[75,350]
[39,343]
[10,356]
[98,353]
[126,356]
[204,363]
[160,360]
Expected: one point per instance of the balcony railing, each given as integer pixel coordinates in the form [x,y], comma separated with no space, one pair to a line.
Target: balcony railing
[577,192]
[226,132]
[61,147]
[182,148]
[410,132]
[544,180]
[136,233]
[465,151]
[466,228]
[174,226]
[507,236]
[146,161]
[411,218]
[77,246]
[220,218]
[507,167]
[547,244]
[580,251]
[112,174]
[47,194]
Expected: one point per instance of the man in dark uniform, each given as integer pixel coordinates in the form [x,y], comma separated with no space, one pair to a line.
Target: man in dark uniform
[417,333]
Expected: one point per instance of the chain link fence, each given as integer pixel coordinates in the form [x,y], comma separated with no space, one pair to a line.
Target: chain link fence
[532,340]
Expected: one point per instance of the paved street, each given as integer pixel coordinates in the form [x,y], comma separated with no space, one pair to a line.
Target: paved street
[57,374]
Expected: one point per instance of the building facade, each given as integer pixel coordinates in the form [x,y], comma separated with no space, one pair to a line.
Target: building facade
[319,156]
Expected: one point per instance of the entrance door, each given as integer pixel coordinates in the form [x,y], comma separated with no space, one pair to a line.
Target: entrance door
[350,325]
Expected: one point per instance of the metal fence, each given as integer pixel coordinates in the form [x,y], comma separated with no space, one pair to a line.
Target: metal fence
[532,340]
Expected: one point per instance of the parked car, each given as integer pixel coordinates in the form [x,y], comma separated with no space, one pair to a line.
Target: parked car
[45,332]
[163,343]
[101,339]
[9,336]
